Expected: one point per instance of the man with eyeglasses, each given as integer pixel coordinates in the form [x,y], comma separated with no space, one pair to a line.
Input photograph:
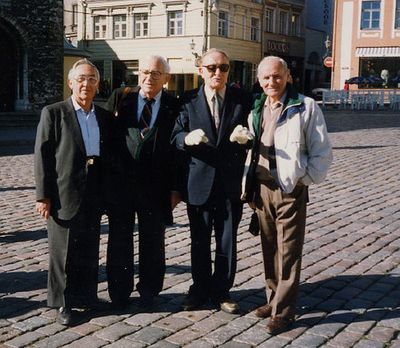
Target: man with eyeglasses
[71,153]
[145,115]
[211,129]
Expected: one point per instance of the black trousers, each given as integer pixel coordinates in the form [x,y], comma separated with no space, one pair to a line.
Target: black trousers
[74,251]
[224,216]
[151,226]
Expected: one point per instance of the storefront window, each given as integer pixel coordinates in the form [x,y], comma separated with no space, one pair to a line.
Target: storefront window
[382,72]
[397,17]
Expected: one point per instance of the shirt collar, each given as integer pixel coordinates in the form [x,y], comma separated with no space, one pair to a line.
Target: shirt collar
[210,93]
[156,98]
[77,107]
[274,105]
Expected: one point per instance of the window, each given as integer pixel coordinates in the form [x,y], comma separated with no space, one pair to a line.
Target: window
[175,23]
[74,14]
[269,20]
[223,23]
[119,23]
[397,15]
[141,24]
[283,21]
[295,25]
[370,14]
[255,29]
[100,27]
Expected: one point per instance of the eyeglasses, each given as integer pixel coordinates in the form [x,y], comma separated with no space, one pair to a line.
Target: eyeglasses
[212,68]
[82,78]
[155,75]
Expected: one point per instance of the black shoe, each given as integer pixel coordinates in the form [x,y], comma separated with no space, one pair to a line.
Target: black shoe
[192,302]
[146,302]
[64,316]
[119,305]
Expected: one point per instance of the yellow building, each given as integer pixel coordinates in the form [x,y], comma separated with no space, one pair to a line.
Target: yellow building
[119,33]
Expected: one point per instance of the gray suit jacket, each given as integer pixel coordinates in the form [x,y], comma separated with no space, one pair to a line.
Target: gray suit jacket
[60,157]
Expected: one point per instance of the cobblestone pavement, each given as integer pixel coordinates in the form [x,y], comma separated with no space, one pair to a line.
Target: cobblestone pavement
[350,286]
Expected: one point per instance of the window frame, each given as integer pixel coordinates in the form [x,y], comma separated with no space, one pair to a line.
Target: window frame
[255,29]
[118,26]
[223,24]
[397,15]
[102,24]
[269,20]
[283,24]
[367,23]
[175,21]
[143,23]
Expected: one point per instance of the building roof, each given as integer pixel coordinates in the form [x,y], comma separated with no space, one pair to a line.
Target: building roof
[71,50]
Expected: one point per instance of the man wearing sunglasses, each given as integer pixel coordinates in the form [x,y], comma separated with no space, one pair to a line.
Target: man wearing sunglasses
[211,129]
[145,116]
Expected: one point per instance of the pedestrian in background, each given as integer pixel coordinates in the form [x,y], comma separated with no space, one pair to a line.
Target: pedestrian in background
[291,151]
[71,152]
[211,131]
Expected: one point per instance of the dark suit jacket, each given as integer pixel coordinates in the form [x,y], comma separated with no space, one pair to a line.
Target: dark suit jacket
[60,157]
[160,176]
[219,157]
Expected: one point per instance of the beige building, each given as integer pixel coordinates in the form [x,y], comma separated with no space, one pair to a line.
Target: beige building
[367,43]
[119,33]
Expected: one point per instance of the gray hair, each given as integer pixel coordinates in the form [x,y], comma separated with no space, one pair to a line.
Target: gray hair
[213,50]
[160,59]
[83,61]
[268,59]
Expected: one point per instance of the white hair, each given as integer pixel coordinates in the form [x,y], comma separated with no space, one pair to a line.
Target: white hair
[160,59]
[268,59]
[84,61]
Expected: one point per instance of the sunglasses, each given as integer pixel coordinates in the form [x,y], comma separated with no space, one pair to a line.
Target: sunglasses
[212,68]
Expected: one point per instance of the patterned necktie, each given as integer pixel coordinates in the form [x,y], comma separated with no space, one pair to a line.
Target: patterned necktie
[216,103]
[145,118]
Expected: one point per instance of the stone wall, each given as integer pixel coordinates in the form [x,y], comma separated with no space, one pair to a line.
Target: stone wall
[37,28]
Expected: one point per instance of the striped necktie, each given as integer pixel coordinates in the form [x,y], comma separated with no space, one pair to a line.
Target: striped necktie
[145,118]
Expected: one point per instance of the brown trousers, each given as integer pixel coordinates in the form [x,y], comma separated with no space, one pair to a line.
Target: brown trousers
[282,219]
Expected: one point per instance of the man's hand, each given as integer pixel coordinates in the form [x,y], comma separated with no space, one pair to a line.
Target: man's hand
[241,135]
[196,137]
[43,208]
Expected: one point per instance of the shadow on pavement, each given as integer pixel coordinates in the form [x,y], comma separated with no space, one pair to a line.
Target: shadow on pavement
[349,121]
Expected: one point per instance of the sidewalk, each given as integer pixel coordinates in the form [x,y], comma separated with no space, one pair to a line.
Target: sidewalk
[350,285]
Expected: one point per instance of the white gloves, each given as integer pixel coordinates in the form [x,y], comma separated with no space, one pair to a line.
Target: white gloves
[241,135]
[196,137]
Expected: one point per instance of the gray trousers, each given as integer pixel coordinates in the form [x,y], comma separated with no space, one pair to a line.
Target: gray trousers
[282,218]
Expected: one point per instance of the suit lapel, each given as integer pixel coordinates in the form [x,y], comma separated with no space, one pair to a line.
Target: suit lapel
[201,108]
[71,121]
[226,111]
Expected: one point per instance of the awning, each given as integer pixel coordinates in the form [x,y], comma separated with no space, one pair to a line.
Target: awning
[378,51]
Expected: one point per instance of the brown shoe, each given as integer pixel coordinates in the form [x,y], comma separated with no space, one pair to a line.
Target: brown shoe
[264,311]
[277,325]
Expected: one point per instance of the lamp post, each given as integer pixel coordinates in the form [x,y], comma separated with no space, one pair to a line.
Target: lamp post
[209,6]
[84,6]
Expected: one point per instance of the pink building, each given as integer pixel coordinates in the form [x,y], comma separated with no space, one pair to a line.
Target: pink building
[366,43]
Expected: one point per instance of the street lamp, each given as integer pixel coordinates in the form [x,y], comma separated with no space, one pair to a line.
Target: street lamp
[192,46]
[328,45]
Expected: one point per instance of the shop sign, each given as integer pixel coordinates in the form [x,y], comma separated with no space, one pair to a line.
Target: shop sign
[277,46]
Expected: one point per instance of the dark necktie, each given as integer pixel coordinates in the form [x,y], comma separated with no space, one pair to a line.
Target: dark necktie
[145,118]
[216,112]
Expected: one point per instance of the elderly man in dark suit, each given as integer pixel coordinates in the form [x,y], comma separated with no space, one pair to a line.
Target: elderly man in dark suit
[70,153]
[211,128]
[145,116]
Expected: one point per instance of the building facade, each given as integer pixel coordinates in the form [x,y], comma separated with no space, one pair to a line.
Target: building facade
[284,35]
[319,25]
[31,54]
[119,33]
[367,43]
